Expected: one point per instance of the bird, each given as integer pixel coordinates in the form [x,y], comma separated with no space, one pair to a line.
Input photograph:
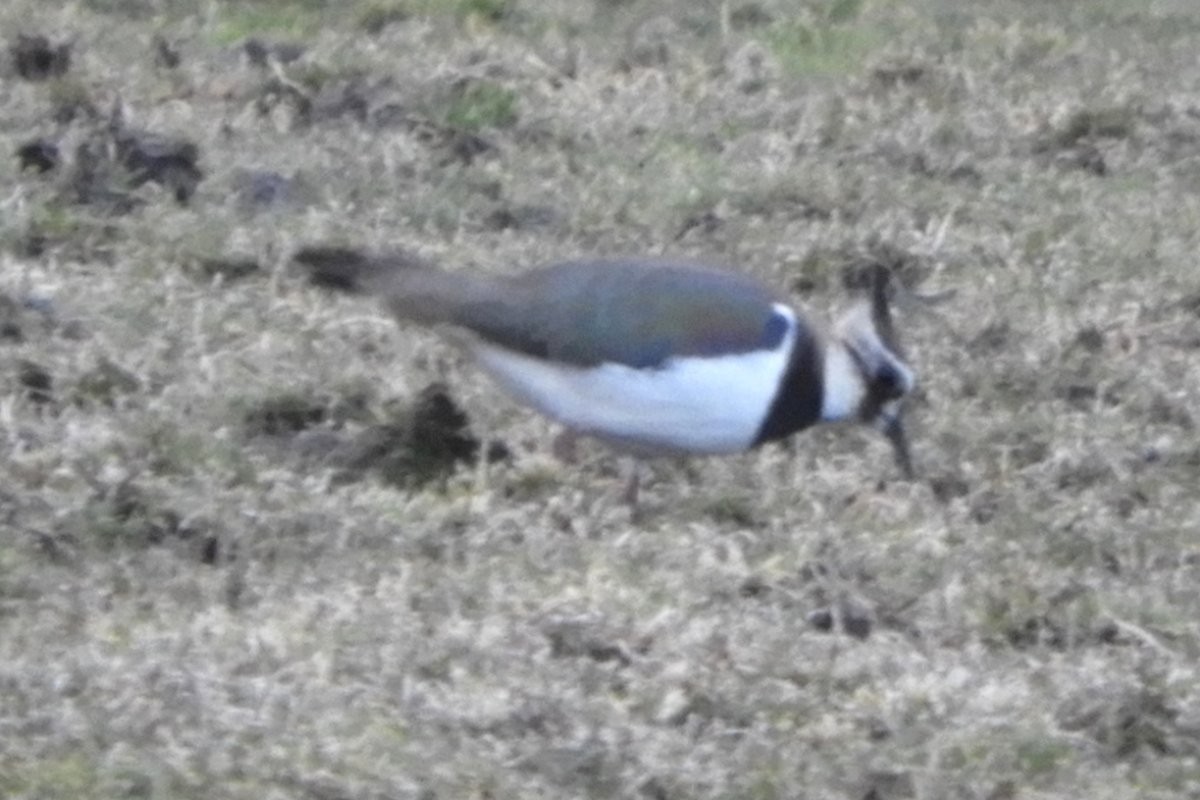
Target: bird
[651,356]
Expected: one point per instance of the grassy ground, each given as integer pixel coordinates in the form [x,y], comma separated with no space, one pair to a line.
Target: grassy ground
[196,602]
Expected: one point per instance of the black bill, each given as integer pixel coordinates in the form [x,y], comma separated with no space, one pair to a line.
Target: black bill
[893,429]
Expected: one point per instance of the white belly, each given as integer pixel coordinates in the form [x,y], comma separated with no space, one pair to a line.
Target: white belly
[689,405]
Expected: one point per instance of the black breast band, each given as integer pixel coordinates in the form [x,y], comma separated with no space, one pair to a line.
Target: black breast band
[797,404]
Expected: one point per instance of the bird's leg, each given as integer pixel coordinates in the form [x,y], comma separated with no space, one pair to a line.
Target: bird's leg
[565,447]
[632,488]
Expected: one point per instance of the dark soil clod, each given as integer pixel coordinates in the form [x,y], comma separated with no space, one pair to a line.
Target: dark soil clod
[426,443]
[153,158]
[465,147]
[575,638]
[127,515]
[948,486]
[36,59]
[262,188]
[522,218]
[821,619]
[1089,338]
[228,269]
[895,75]
[166,54]
[750,15]
[38,154]
[285,414]
[11,319]
[210,550]
[260,53]
[706,222]
[105,382]
[1105,123]
[36,380]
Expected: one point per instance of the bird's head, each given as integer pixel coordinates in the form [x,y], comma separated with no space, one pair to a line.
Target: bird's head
[885,379]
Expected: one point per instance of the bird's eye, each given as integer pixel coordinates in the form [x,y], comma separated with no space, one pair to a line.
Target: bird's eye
[889,383]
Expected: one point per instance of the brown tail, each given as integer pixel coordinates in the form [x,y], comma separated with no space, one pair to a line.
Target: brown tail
[349,270]
[412,288]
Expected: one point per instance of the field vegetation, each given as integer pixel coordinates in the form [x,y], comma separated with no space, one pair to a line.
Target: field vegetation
[257,541]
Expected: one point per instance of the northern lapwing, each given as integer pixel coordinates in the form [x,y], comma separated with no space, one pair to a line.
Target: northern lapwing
[652,356]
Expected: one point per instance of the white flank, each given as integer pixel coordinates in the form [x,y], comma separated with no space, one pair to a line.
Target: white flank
[689,405]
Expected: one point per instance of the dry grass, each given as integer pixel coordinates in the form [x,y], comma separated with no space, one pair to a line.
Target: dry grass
[191,607]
